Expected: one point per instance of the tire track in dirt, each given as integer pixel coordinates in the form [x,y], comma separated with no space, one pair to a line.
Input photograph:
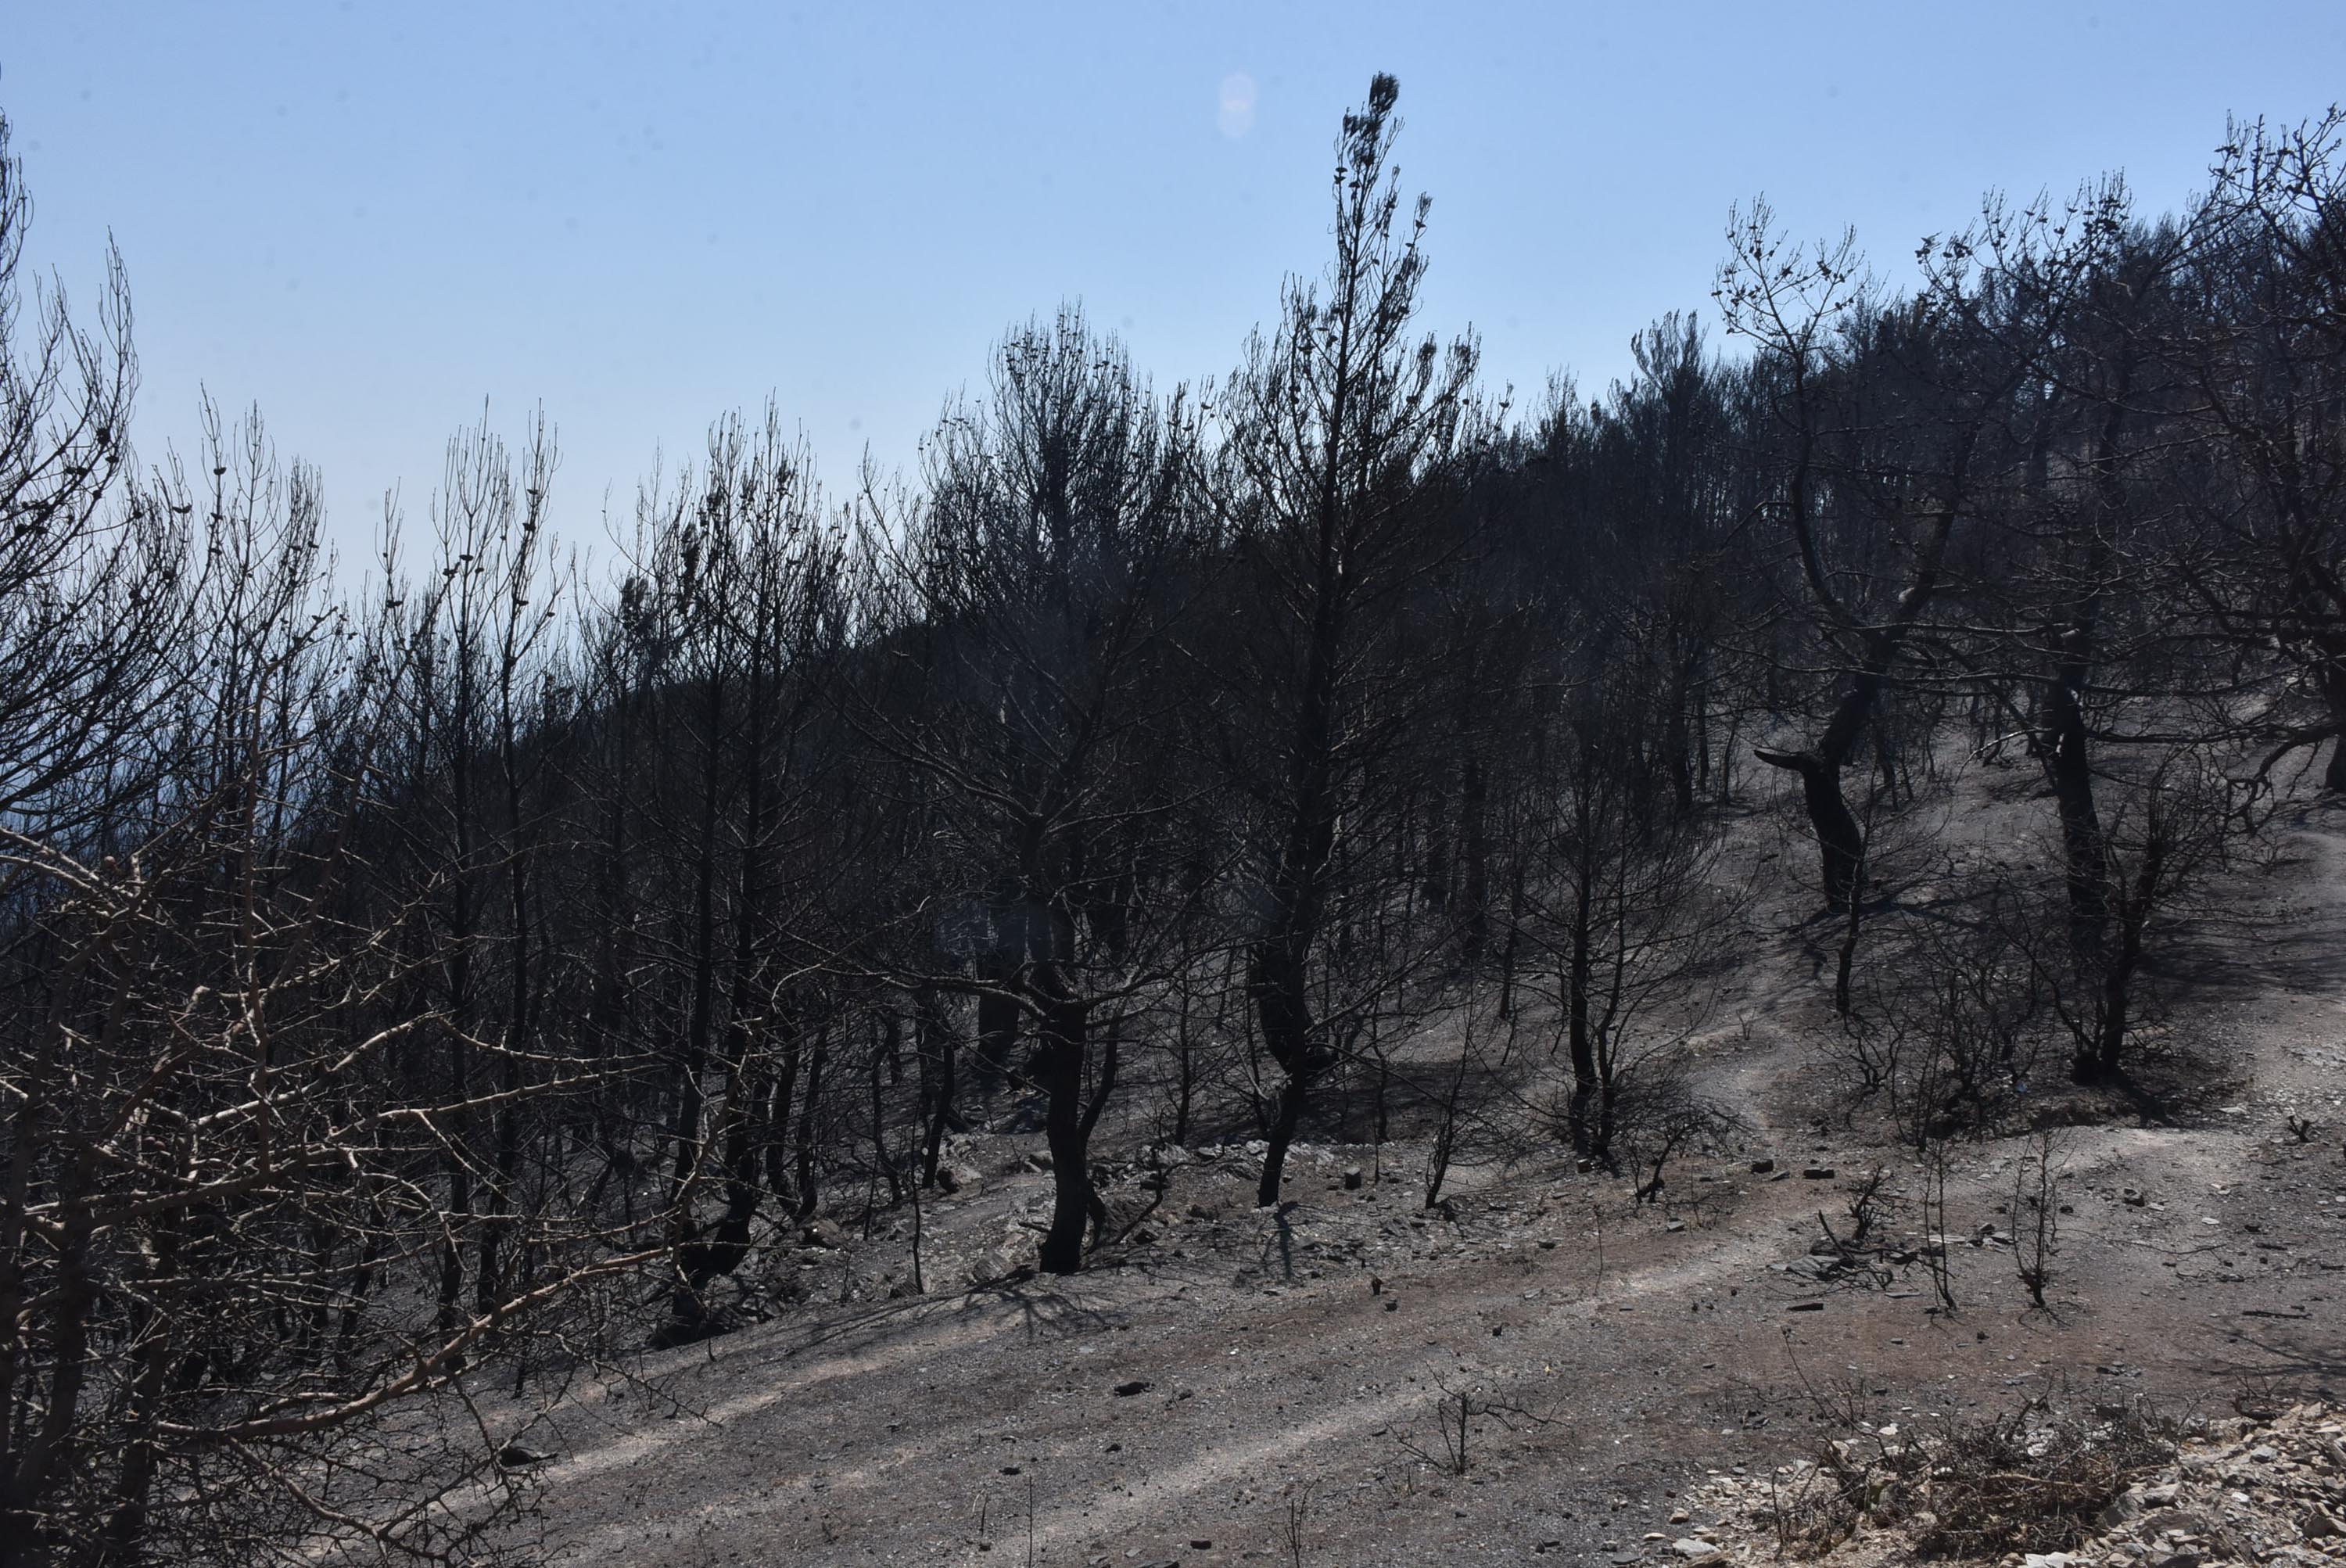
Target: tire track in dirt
[745,1436]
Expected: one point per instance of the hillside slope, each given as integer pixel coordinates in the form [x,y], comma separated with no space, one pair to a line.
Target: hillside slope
[1294,1368]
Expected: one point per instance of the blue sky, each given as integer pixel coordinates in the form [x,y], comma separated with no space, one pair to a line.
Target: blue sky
[370,220]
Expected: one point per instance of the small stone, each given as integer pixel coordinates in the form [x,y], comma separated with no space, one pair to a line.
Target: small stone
[1806,1307]
[1136,1386]
[1352,1179]
[1763,1166]
[1694,1551]
[1816,1173]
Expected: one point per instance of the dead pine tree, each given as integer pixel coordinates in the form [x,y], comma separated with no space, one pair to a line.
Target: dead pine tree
[1330,426]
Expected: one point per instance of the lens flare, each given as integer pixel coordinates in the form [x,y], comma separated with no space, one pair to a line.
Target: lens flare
[1235,115]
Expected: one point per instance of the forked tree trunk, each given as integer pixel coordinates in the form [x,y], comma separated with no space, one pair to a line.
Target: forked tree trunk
[1840,842]
[1283,1006]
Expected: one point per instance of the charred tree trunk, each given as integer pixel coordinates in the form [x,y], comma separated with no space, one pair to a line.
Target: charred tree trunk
[2068,767]
[1840,840]
[156,1344]
[932,1039]
[809,1196]
[1473,827]
[1278,979]
[1278,966]
[1060,1064]
[778,1107]
[1579,1039]
[2099,1060]
[997,1020]
[692,1062]
[2333,689]
[728,1242]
